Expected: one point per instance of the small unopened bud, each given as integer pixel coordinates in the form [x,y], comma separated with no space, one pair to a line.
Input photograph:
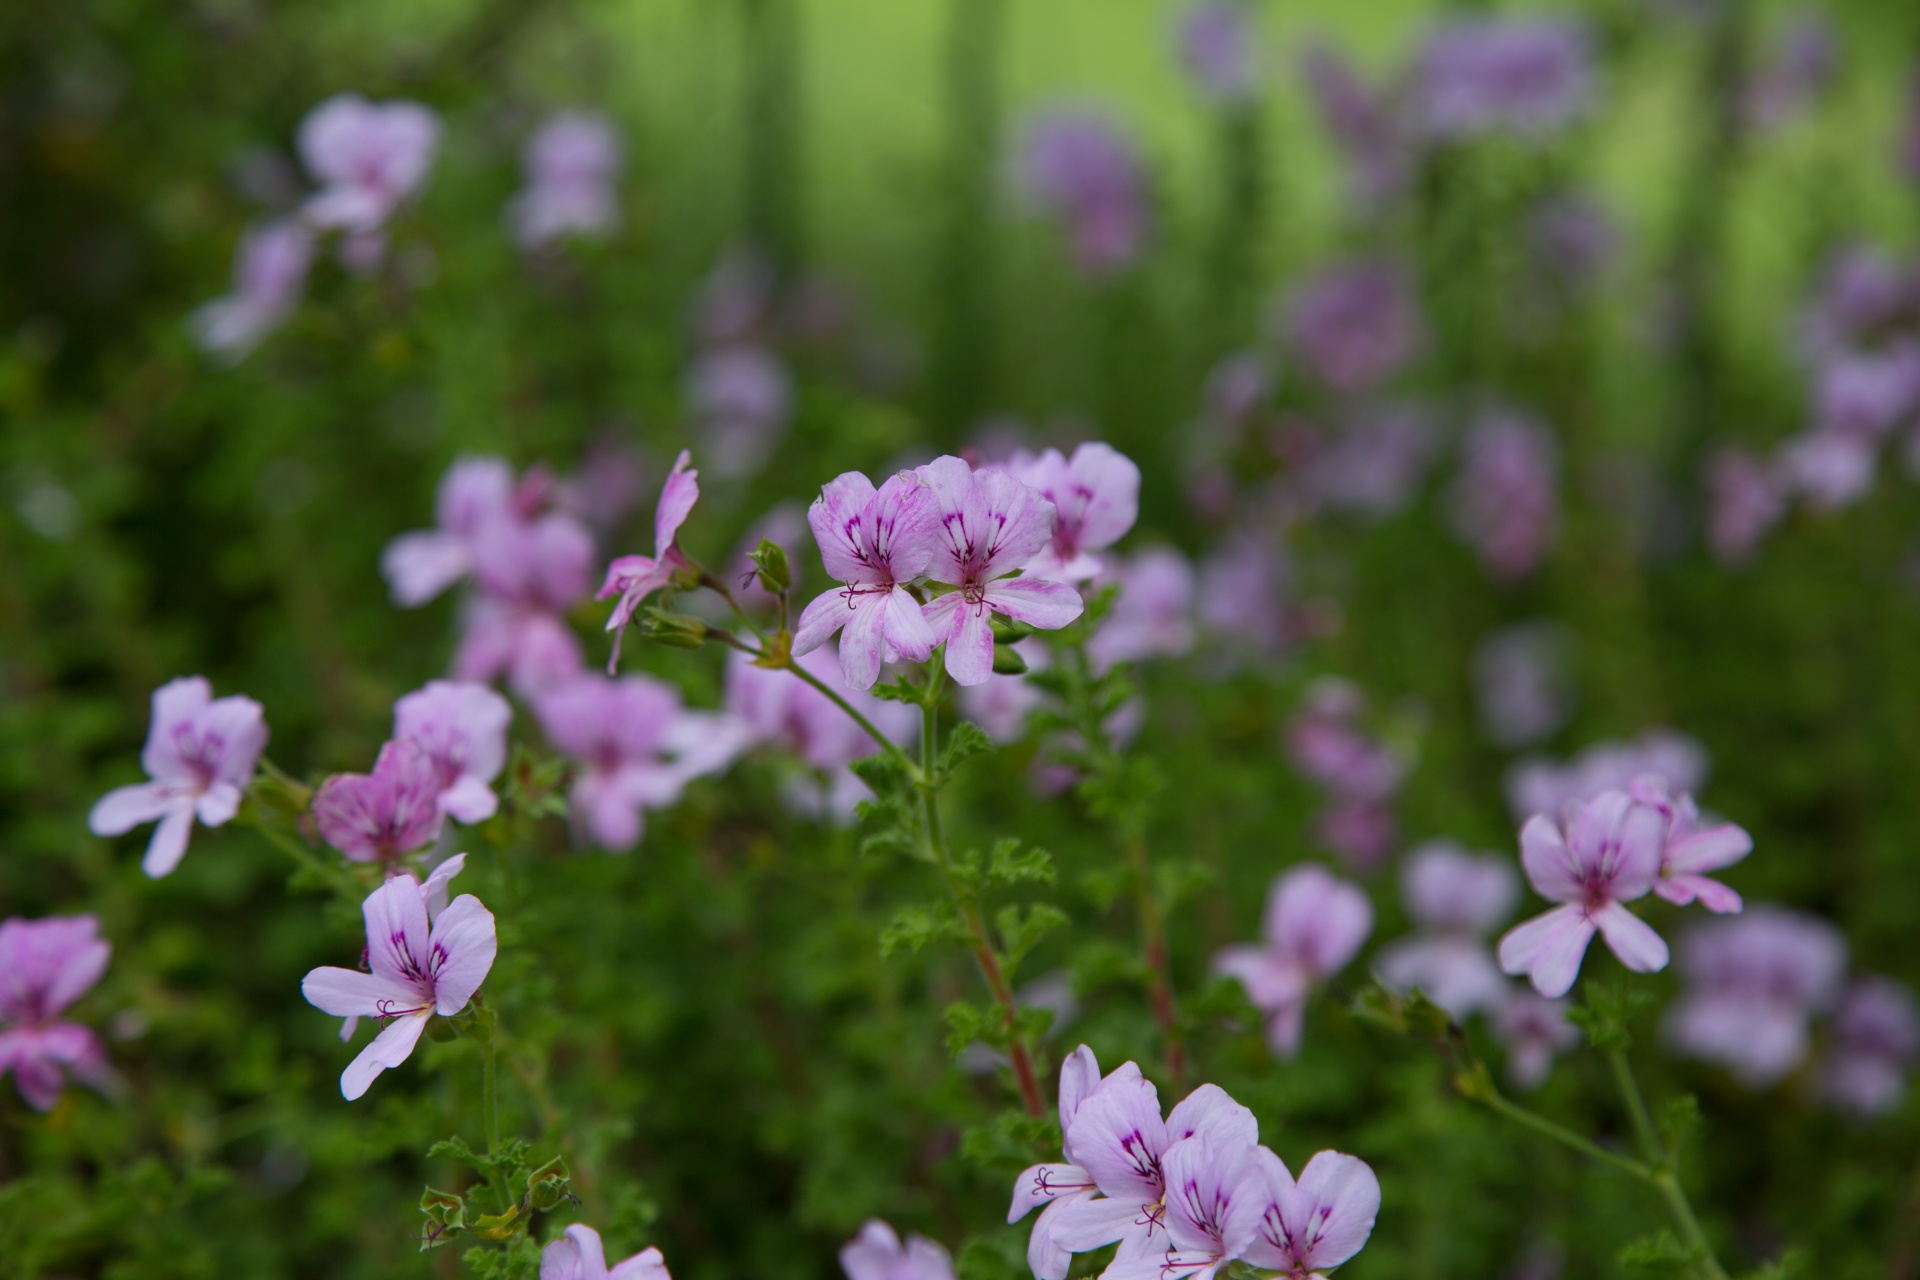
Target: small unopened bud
[674,630]
[770,565]
[1007,661]
[440,1031]
[547,1185]
[446,1217]
[1006,630]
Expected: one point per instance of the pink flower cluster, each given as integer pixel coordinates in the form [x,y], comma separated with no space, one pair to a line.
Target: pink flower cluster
[45,965]
[1360,772]
[1185,1195]
[1314,925]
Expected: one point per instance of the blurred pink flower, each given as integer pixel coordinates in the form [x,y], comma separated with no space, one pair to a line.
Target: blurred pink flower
[1529,78]
[1874,1039]
[1315,923]
[634,578]
[1521,682]
[1456,898]
[1535,1030]
[1370,132]
[385,815]
[1537,785]
[462,729]
[1752,987]
[579,1255]
[269,272]
[1830,469]
[1095,497]
[1153,615]
[1327,744]
[45,965]
[1504,499]
[1075,165]
[1371,465]
[367,157]
[1217,45]
[1744,501]
[1242,596]
[778,709]
[1353,325]
[571,165]
[474,494]
[740,398]
[877,1254]
[530,574]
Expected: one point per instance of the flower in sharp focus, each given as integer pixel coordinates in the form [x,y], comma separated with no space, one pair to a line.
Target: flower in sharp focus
[45,965]
[1217,45]
[1215,1196]
[434,891]
[571,165]
[200,754]
[1535,1030]
[1308,1227]
[873,542]
[1075,165]
[1096,498]
[1314,925]
[1873,1041]
[269,271]
[877,1254]
[1604,854]
[634,578]
[1456,898]
[990,527]
[579,1255]
[1353,326]
[367,157]
[1058,1186]
[385,815]
[1752,988]
[418,968]
[462,729]
[1691,850]
[1535,785]
[473,494]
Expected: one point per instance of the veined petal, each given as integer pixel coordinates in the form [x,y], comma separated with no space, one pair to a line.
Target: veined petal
[1042,1183]
[1631,938]
[1337,1202]
[825,614]
[1210,1114]
[1118,1137]
[1046,605]
[397,930]
[836,518]
[1079,1226]
[388,1049]
[863,641]
[1548,948]
[349,993]
[463,947]
[970,645]
[906,627]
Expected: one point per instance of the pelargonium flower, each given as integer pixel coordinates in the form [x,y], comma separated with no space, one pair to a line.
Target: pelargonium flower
[475,493]
[873,542]
[1529,78]
[433,890]
[1353,325]
[1536,785]
[636,746]
[991,526]
[1153,616]
[779,709]
[368,157]
[1370,132]
[1535,1031]
[1327,744]
[200,753]
[462,729]
[579,1255]
[1456,898]
[740,398]
[530,573]
[1690,850]
[1875,1038]
[1360,829]
[45,965]
[1058,1186]
[1076,165]
[1372,464]
[1752,988]
[1213,1204]
[419,968]
[571,164]
[1314,924]
[1308,1227]
[1096,498]
[1744,500]
[1796,72]
[269,271]
[1521,683]
[1605,854]
[1243,589]
[877,1254]
[634,578]
[385,815]
[1831,470]
[1217,45]
[1505,503]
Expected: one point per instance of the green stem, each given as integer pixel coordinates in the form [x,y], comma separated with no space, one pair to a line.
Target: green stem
[1499,1102]
[914,771]
[490,1106]
[1663,1174]
[343,884]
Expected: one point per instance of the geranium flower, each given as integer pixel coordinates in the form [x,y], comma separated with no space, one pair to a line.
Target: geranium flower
[45,965]
[1307,1228]
[873,542]
[877,1254]
[1095,497]
[634,578]
[385,815]
[579,1255]
[1315,923]
[474,494]
[462,729]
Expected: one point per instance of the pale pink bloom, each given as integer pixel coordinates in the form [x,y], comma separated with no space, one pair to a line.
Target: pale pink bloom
[419,968]
[1353,325]
[1058,1186]
[1095,497]
[1691,850]
[1868,394]
[779,709]
[634,578]
[1314,925]
[45,965]
[1795,74]
[1370,466]
[1001,705]
[1526,77]
[873,542]
[1368,129]
[1535,1030]
[1521,682]
[1075,165]
[1605,854]
[269,271]
[1830,469]
[739,397]
[571,166]
[1327,744]
[1308,1227]
[1504,500]
[1237,386]
[385,815]
[1456,898]
[1153,616]
[530,574]
[1752,988]
[990,525]
[877,1254]
[636,748]
[200,753]
[1874,1039]
[474,494]
[1216,42]
[579,1255]
[1537,785]
[1744,500]
[1215,1196]
[462,729]
[367,157]
[1242,598]
[434,890]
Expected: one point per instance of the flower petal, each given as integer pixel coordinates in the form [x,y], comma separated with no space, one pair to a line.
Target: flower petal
[388,1049]
[463,947]
[1631,938]
[349,993]
[1046,605]
[970,645]
[124,808]
[169,843]
[1548,948]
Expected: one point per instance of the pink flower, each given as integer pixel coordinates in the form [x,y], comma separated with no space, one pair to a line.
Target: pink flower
[1326,744]
[1530,78]
[740,398]
[1315,923]
[385,815]
[1372,465]
[474,494]
[1744,501]
[874,542]
[1153,616]
[1215,1195]
[1310,1226]
[1690,850]
[1354,325]
[1456,898]
[269,271]
[200,753]
[990,526]
[579,1255]
[779,709]
[462,729]
[1752,988]
[1058,1186]
[45,965]
[1095,497]
[419,968]
[1875,1038]
[1606,854]
[636,747]
[368,157]
[530,573]
[1360,830]
[634,578]
[1535,785]
[571,165]
[1504,500]
[1378,155]
[1830,469]
[1535,1030]
[1076,166]
[1217,45]
[1521,682]
[1243,587]
[877,1254]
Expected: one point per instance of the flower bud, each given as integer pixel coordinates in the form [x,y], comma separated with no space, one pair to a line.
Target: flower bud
[1007,661]
[674,630]
[446,1217]
[770,564]
[1006,630]
[547,1185]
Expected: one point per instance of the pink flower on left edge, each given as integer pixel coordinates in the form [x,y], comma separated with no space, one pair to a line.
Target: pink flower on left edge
[990,527]
[579,1255]
[200,753]
[385,815]
[1605,855]
[1315,924]
[877,1254]
[634,578]
[419,967]
[462,729]
[1096,498]
[45,965]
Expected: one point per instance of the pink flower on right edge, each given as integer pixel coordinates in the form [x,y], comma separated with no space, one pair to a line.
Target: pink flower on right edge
[45,965]
[1315,923]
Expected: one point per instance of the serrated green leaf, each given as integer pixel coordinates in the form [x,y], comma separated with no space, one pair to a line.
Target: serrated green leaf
[966,741]
[1009,864]
[1661,1253]
[913,927]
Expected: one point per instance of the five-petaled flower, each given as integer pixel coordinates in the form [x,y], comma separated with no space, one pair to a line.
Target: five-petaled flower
[634,578]
[1314,924]
[385,815]
[421,964]
[200,753]
[579,1255]
[367,156]
[45,965]
[1096,498]
[462,730]
[1312,1225]
[873,542]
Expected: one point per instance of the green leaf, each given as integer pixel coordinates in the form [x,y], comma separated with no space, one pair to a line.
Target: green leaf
[1019,933]
[1678,1121]
[967,1023]
[1605,1014]
[1008,864]
[1660,1253]
[966,741]
[912,928]
[457,1150]
[900,690]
